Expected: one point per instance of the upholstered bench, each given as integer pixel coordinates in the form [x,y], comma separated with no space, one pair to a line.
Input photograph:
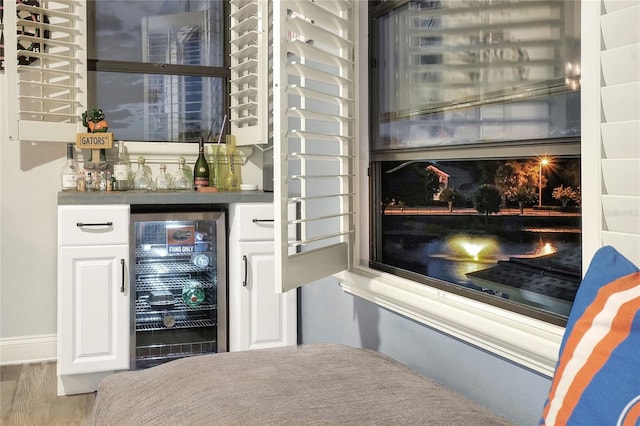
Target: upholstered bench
[306,384]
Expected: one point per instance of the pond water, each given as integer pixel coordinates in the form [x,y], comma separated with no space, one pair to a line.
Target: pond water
[456,258]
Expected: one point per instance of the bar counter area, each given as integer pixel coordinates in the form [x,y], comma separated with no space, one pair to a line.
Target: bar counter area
[170,197]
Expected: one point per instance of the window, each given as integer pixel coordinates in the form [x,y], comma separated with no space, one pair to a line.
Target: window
[163,75]
[475,150]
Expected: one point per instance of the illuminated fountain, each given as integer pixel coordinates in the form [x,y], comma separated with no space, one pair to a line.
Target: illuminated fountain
[476,248]
[544,249]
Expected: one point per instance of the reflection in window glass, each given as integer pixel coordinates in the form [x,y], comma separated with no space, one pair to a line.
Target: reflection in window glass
[455,72]
[483,225]
[159,31]
[533,119]
[156,107]
[144,98]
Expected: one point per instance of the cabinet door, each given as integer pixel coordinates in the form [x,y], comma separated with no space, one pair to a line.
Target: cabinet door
[93,309]
[266,318]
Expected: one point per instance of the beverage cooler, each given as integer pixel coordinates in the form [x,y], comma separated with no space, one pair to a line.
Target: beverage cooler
[178,280]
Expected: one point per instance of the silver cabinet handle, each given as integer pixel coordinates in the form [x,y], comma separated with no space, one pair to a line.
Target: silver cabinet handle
[244,281]
[80,224]
[123,275]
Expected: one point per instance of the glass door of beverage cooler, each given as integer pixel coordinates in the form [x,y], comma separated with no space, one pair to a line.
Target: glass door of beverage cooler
[179,271]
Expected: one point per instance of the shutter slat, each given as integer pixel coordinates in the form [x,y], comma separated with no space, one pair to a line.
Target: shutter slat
[304,71]
[309,51]
[310,219]
[318,116]
[319,136]
[325,237]
[307,93]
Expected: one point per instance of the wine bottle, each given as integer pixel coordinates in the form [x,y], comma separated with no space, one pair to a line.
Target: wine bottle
[69,173]
[121,170]
[201,169]
[193,293]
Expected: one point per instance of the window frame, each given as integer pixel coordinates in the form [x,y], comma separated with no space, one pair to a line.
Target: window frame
[560,147]
[526,341]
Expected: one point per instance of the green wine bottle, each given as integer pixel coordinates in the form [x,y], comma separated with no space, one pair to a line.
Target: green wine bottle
[201,169]
[193,293]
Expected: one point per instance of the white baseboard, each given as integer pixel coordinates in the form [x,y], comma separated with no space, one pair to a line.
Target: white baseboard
[22,350]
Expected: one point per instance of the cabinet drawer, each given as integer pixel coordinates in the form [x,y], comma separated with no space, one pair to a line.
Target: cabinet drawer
[90,225]
[255,221]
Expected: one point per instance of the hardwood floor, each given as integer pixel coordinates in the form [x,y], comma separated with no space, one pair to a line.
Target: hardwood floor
[28,397]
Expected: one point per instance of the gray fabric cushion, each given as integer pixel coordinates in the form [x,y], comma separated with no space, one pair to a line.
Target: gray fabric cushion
[306,384]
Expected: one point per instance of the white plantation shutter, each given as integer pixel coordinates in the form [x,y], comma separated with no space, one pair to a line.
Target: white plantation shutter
[313,132]
[50,92]
[614,106]
[249,71]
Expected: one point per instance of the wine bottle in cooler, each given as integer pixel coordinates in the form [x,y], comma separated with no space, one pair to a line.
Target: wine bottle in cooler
[193,293]
[201,169]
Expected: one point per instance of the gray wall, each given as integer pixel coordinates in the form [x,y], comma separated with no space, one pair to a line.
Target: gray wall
[328,314]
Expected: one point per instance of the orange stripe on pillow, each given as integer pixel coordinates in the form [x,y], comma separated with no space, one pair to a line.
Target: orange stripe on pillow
[581,327]
[632,416]
[619,331]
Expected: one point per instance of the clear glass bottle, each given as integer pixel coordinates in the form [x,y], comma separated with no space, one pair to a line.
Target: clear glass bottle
[163,181]
[109,181]
[102,181]
[90,182]
[182,178]
[69,174]
[121,170]
[201,168]
[141,180]
[187,170]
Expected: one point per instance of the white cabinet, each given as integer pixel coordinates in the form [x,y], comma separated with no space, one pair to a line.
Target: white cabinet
[93,294]
[258,316]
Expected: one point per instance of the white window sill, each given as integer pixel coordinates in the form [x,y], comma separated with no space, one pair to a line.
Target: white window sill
[523,340]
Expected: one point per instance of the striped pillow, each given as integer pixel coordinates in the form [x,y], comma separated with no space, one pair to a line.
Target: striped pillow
[597,379]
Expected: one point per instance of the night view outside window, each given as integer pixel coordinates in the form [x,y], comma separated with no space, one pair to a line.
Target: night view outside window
[159,67]
[475,148]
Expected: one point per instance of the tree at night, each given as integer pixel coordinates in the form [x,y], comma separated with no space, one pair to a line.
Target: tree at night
[450,195]
[487,200]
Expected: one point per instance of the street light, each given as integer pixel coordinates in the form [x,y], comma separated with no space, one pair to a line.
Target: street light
[543,162]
